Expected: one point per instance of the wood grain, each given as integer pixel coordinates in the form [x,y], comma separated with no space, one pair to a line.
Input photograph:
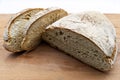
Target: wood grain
[46,63]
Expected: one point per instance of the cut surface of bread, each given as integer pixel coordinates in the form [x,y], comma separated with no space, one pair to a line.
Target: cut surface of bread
[14,32]
[89,37]
[37,25]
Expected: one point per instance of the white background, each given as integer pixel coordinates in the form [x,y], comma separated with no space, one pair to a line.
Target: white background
[104,6]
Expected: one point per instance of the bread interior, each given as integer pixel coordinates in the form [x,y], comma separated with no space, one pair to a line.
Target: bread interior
[78,46]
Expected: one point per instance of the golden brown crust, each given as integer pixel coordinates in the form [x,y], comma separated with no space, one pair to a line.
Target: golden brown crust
[7,35]
[14,17]
[112,59]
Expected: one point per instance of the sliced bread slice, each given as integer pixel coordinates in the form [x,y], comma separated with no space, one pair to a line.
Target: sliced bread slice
[37,24]
[89,37]
[14,32]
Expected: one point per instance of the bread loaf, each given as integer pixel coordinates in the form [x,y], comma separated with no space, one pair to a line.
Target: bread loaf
[37,24]
[89,37]
[14,31]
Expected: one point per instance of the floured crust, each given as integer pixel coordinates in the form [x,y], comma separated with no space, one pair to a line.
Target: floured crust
[95,27]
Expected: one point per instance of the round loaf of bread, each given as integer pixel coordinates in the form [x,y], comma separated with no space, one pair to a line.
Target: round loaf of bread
[14,31]
[89,37]
[37,24]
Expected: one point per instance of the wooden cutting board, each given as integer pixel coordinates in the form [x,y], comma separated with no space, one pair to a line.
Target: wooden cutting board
[46,63]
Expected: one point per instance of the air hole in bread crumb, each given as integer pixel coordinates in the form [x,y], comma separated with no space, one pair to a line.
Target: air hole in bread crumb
[64,38]
[76,41]
[95,51]
[95,55]
[68,36]
[49,38]
[14,41]
[61,33]
[6,40]
[56,34]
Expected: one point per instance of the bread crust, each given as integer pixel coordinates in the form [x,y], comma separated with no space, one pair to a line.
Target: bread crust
[7,35]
